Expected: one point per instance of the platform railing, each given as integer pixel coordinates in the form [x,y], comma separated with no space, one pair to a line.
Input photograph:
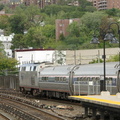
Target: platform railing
[91,88]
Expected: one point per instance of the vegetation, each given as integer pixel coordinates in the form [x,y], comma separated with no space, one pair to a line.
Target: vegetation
[35,27]
[6,64]
[113,58]
[40,25]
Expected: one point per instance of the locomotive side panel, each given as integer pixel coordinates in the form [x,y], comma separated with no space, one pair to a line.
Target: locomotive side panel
[60,87]
[28,77]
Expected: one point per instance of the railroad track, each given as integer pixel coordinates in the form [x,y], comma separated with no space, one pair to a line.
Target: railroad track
[3,117]
[24,109]
[48,104]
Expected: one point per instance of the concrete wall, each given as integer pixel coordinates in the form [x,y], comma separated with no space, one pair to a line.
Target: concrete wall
[85,56]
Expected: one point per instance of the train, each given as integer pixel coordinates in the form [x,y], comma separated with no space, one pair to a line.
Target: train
[61,81]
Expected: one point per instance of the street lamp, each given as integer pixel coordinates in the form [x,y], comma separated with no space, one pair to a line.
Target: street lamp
[113,38]
[107,37]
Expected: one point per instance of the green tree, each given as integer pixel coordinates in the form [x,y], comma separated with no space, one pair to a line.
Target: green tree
[84,3]
[2,52]
[35,38]
[7,65]
[92,20]
[18,41]
[74,29]
[1,6]
[113,58]
[63,2]
[112,12]
[48,31]
[4,22]
[33,16]
[17,24]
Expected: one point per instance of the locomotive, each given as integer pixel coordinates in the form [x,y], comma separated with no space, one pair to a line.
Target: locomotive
[64,80]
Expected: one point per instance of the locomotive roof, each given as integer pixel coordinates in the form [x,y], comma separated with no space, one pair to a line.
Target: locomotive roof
[30,64]
[97,69]
[57,70]
[87,69]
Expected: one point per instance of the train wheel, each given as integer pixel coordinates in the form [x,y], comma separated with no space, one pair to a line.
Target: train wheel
[22,90]
[34,92]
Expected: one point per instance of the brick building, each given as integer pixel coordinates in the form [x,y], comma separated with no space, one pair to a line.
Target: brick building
[62,25]
[106,4]
[40,3]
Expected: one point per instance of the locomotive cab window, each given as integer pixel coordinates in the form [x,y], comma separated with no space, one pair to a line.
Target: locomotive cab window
[23,69]
[30,68]
[34,68]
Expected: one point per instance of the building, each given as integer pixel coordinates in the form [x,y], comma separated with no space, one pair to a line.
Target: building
[62,25]
[25,56]
[40,3]
[6,41]
[55,57]
[106,4]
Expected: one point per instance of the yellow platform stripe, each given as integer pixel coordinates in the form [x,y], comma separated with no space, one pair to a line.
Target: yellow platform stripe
[98,99]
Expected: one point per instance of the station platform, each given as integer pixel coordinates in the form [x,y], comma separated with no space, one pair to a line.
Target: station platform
[104,103]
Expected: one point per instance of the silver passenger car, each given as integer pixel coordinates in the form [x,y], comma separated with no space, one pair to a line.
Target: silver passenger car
[62,81]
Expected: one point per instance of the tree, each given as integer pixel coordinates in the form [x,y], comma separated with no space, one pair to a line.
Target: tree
[113,58]
[35,38]
[18,41]
[112,12]
[17,24]
[4,22]
[2,52]
[1,6]
[8,64]
[84,3]
[63,2]
[48,31]
[74,29]
[92,20]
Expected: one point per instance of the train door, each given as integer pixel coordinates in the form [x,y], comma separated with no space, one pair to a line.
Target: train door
[118,81]
[71,74]
[71,79]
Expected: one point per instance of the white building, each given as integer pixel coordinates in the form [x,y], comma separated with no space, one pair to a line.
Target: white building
[6,41]
[40,55]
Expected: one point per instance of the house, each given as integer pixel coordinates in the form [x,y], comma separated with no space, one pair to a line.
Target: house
[6,41]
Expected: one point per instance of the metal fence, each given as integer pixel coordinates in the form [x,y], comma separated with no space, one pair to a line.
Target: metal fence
[91,87]
[11,82]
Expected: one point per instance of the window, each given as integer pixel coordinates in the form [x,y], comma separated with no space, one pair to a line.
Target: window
[51,79]
[34,68]
[61,31]
[64,79]
[56,78]
[30,68]
[44,78]
[23,69]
